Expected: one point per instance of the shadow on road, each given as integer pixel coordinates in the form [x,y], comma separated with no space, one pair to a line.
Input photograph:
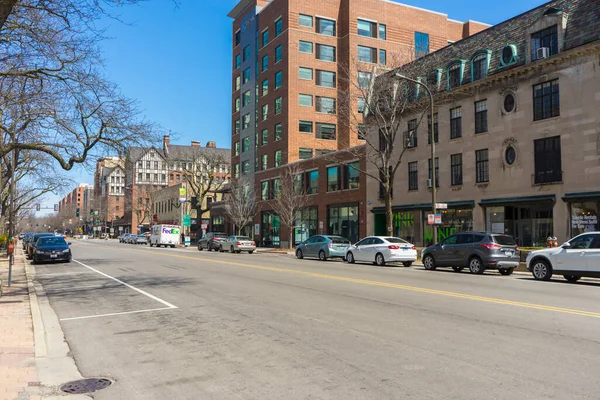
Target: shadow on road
[564,282]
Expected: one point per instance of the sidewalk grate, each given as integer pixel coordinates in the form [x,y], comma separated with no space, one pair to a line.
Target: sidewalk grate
[89,385]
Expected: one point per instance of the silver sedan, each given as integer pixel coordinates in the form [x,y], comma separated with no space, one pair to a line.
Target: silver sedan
[237,244]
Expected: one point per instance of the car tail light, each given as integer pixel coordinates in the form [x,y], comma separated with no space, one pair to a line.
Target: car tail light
[413,248]
[238,244]
[331,245]
[516,248]
[394,247]
[214,239]
[491,246]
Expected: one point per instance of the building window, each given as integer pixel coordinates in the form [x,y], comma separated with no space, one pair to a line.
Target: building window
[265,87]
[278,53]
[454,75]
[361,105]
[278,158]
[305,100]
[246,144]
[237,105]
[312,182]
[413,176]
[139,179]
[246,121]
[163,178]
[238,61]
[305,20]
[367,28]
[277,188]
[364,80]
[264,137]
[264,160]
[325,53]
[411,137]
[140,164]
[361,131]
[278,132]
[352,175]
[421,44]
[325,26]
[546,100]
[264,190]
[481,122]
[278,79]
[305,127]
[112,179]
[246,98]
[455,123]
[326,79]
[245,167]
[325,105]
[479,66]
[382,32]
[265,62]
[437,171]
[147,164]
[236,127]
[436,134]
[246,76]
[265,37]
[382,57]
[547,159]
[325,131]
[367,54]
[306,47]
[155,177]
[238,82]
[278,105]
[246,54]
[236,170]
[482,166]
[333,179]
[278,27]
[238,37]
[304,153]
[305,73]
[545,38]
[265,112]
[456,169]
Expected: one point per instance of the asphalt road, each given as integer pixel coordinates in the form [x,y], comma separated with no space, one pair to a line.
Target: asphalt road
[183,324]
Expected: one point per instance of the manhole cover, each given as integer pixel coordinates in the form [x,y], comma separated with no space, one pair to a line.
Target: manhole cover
[85,385]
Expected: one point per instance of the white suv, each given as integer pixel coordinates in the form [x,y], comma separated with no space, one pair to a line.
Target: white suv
[576,258]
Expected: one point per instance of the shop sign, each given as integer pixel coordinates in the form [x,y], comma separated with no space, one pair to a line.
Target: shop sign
[441,206]
[182,195]
[438,219]
[584,222]
[430,219]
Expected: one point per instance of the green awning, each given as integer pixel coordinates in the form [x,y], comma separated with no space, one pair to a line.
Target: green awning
[570,197]
[426,206]
[517,200]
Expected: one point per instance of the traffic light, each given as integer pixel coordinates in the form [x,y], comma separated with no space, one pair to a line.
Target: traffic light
[56,207]
[91,212]
[37,207]
[77,212]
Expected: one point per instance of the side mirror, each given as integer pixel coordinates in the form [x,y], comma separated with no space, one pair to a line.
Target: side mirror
[566,245]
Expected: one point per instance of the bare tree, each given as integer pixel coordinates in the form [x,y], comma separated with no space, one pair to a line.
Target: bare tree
[289,197]
[240,204]
[143,205]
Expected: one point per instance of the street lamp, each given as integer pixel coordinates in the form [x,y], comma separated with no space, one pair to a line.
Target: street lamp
[434,178]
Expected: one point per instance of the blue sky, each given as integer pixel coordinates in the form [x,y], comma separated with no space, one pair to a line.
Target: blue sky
[176,61]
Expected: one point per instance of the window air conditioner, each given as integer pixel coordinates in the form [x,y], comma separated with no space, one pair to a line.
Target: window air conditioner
[543,52]
[429,183]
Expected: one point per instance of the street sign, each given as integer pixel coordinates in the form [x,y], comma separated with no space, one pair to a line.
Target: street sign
[441,206]
[187,220]
[438,219]
[187,241]
[430,219]
[320,224]
[182,195]
[256,229]
[121,228]
[204,225]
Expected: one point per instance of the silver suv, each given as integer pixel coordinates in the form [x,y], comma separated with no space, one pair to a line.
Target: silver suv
[477,251]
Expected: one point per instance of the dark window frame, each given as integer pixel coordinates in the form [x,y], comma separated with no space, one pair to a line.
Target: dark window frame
[456,123]
[413,175]
[546,100]
[547,155]
[482,166]
[547,37]
[456,169]
[481,117]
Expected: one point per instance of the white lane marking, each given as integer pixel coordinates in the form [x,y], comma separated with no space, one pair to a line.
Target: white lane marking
[166,303]
[118,313]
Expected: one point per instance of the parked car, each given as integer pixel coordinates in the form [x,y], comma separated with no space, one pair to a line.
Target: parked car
[324,247]
[131,238]
[212,241]
[32,240]
[381,250]
[577,258]
[477,251]
[140,239]
[123,237]
[237,244]
[51,249]
[26,239]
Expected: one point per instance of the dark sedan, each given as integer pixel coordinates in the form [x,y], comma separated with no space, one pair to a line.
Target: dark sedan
[51,249]
[32,241]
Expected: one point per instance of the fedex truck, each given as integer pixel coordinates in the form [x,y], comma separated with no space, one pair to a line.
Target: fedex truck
[165,235]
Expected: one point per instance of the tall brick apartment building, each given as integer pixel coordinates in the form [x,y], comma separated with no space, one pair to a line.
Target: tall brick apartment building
[289,58]
[109,190]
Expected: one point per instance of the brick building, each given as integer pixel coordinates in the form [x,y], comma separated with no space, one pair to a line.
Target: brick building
[109,191]
[518,149]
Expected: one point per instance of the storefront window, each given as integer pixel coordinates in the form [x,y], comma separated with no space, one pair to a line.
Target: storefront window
[453,220]
[495,220]
[218,224]
[305,225]
[407,226]
[343,221]
[271,227]
[584,217]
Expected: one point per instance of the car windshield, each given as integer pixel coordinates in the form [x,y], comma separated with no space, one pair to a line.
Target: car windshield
[504,240]
[242,238]
[52,241]
[396,240]
[339,240]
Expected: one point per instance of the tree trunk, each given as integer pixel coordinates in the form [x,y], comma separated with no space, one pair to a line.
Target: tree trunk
[291,238]
[388,211]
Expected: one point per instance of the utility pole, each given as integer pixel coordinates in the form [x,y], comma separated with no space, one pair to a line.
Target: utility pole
[11,215]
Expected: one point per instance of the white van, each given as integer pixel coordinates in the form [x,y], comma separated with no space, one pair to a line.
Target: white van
[165,235]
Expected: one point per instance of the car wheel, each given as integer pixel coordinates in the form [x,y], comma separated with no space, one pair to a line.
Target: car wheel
[299,254]
[407,264]
[238,251]
[251,251]
[379,260]
[475,266]
[33,261]
[232,250]
[172,246]
[429,263]
[350,258]
[221,249]
[458,269]
[541,270]
[200,248]
[322,256]
[572,278]
[506,271]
